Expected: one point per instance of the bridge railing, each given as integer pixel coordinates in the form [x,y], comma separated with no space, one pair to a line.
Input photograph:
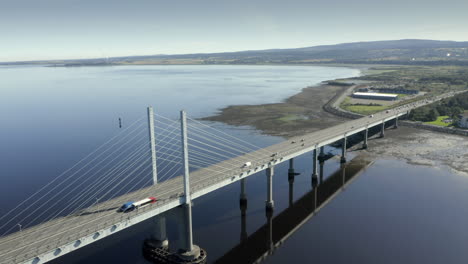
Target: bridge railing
[53,244]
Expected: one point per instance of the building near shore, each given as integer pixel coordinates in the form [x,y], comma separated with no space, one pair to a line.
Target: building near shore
[395,90]
[375,96]
[463,122]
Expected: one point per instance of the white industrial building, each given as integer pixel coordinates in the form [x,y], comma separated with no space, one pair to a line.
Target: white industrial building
[375,96]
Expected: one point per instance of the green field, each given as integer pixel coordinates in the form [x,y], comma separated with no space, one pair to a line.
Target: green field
[439,121]
[364,109]
[361,109]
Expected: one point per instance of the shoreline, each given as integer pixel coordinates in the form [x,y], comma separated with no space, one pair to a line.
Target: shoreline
[304,113]
[297,114]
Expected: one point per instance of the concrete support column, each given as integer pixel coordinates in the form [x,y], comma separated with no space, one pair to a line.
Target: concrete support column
[314,168]
[396,122]
[159,234]
[243,196]
[322,153]
[343,151]
[382,129]
[269,201]
[291,168]
[366,135]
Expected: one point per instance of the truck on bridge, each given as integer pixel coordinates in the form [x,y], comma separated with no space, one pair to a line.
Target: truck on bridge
[130,206]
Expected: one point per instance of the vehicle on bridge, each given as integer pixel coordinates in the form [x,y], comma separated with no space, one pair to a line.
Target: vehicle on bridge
[130,206]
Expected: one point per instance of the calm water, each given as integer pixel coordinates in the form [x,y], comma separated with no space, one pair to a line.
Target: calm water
[393,212]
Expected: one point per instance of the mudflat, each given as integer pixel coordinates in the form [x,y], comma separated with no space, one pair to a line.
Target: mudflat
[297,115]
[422,147]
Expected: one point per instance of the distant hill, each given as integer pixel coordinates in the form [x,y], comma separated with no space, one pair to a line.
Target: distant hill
[405,51]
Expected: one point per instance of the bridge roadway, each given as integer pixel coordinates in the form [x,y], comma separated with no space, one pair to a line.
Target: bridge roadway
[57,237]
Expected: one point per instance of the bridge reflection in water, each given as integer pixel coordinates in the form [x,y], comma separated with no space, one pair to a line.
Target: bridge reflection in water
[262,243]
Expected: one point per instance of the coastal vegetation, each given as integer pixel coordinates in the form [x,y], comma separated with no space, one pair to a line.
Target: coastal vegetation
[430,81]
[441,121]
[436,112]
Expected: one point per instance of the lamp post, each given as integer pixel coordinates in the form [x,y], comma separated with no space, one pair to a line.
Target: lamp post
[21,233]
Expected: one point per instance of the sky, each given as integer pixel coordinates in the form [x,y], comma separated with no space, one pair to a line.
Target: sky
[69,29]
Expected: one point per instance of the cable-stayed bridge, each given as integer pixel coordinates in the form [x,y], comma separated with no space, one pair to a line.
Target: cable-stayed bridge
[175,161]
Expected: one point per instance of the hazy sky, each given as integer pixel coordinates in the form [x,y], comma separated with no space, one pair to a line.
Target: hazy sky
[54,29]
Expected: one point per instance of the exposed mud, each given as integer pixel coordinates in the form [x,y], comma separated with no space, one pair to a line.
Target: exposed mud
[422,147]
[303,113]
[297,115]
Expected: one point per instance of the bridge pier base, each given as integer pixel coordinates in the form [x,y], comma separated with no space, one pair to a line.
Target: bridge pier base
[343,151]
[159,236]
[382,130]
[187,252]
[243,196]
[269,202]
[321,156]
[366,135]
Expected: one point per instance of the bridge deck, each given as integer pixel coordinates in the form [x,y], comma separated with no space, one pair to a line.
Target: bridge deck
[59,236]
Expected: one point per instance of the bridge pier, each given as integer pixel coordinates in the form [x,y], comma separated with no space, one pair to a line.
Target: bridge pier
[321,156]
[382,129]
[291,168]
[159,235]
[269,202]
[243,196]
[343,151]
[366,135]
[396,123]
[314,168]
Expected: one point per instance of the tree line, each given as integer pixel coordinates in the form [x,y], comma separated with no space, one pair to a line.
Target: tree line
[451,107]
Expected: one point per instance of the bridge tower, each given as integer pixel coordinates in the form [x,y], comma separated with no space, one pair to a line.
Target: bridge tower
[187,251]
[152,143]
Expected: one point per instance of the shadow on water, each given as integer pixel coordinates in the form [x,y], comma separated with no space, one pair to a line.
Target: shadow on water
[262,243]
[96,211]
